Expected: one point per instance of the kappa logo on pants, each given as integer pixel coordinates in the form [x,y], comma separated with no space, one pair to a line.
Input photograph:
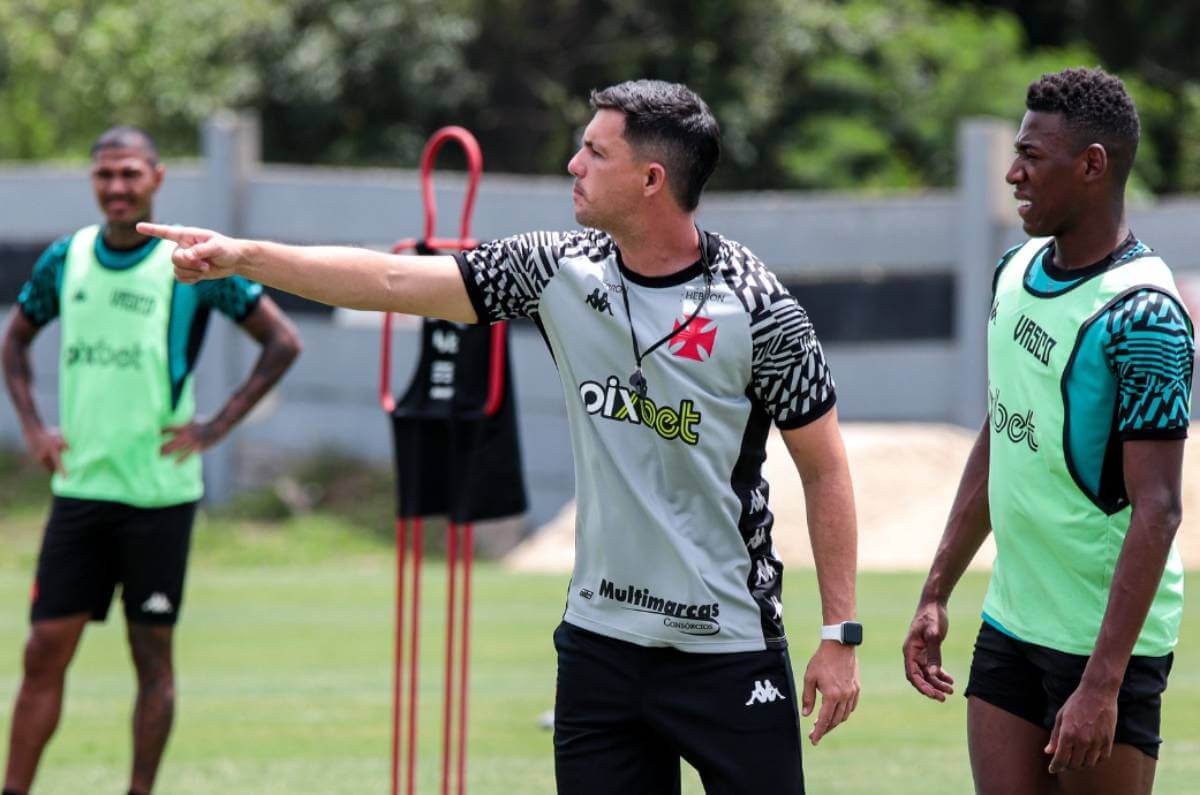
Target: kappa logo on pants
[157,603]
[764,692]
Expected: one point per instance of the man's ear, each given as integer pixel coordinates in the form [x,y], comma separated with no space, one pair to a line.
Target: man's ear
[654,180]
[1095,162]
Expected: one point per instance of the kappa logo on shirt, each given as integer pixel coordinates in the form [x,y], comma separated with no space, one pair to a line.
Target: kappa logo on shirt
[598,300]
[764,573]
[696,339]
[758,539]
[758,502]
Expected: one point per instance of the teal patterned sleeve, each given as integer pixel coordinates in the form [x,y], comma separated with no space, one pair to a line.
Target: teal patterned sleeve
[38,298]
[235,297]
[1151,349]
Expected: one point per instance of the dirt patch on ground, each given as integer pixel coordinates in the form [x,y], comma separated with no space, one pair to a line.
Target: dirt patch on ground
[905,475]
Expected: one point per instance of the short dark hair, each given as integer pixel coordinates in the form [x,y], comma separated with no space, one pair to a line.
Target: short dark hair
[125,137]
[669,122]
[1097,108]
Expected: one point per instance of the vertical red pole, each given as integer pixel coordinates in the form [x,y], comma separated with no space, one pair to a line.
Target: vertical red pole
[414,655]
[451,616]
[398,673]
[468,552]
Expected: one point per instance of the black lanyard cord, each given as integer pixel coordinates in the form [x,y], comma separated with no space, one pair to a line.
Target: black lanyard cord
[638,379]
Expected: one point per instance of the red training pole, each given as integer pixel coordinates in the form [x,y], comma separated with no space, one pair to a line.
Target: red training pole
[451,615]
[414,656]
[398,673]
[468,552]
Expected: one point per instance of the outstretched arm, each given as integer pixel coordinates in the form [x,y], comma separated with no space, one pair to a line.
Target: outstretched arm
[280,343]
[966,529]
[820,458]
[342,276]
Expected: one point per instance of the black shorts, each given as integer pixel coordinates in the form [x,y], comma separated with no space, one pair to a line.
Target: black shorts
[1033,682]
[91,545]
[625,715]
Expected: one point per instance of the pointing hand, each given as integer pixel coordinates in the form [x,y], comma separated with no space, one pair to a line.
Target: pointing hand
[200,253]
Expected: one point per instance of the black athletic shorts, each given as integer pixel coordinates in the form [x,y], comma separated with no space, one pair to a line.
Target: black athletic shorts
[91,545]
[1033,682]
[625,715]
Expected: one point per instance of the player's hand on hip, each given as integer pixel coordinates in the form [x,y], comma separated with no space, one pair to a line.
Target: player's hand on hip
[185,441]
[833,671]
[200,253]
[1083,729]
[923,652]
[46,446]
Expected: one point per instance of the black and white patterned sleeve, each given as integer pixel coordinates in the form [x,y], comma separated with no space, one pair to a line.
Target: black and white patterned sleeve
[790,377]
[505,278]
[1151,349]
[788,374]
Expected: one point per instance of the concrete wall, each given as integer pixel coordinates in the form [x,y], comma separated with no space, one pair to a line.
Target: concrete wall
[329,400]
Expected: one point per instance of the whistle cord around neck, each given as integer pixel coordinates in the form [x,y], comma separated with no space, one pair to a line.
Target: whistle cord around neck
[638,379]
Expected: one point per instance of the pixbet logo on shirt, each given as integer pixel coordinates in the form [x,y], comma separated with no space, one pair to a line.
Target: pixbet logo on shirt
[1019,428]
[615,402]
[102,354]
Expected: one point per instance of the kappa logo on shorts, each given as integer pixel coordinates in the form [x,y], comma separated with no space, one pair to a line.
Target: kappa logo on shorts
[764,693]
[158,603]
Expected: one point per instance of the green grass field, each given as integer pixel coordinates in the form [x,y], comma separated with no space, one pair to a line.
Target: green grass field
[284,656]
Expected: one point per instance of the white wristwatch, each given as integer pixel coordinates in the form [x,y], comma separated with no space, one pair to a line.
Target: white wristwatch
[848,633]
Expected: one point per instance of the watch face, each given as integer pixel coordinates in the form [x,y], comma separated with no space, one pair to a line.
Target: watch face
[852,634]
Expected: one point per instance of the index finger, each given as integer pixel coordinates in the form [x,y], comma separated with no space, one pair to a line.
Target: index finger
[176,234]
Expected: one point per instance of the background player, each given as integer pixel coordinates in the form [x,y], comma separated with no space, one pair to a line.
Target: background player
[126,469]
[1078,467]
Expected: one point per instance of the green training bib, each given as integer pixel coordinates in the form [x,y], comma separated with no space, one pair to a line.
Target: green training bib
[114,383]
[1057,546]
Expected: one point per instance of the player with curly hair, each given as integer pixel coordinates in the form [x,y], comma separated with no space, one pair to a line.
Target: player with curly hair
[1076,471]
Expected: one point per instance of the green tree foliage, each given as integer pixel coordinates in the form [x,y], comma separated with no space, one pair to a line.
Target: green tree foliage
[363,81]
[817,94]
[1153,40]
[70,68]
